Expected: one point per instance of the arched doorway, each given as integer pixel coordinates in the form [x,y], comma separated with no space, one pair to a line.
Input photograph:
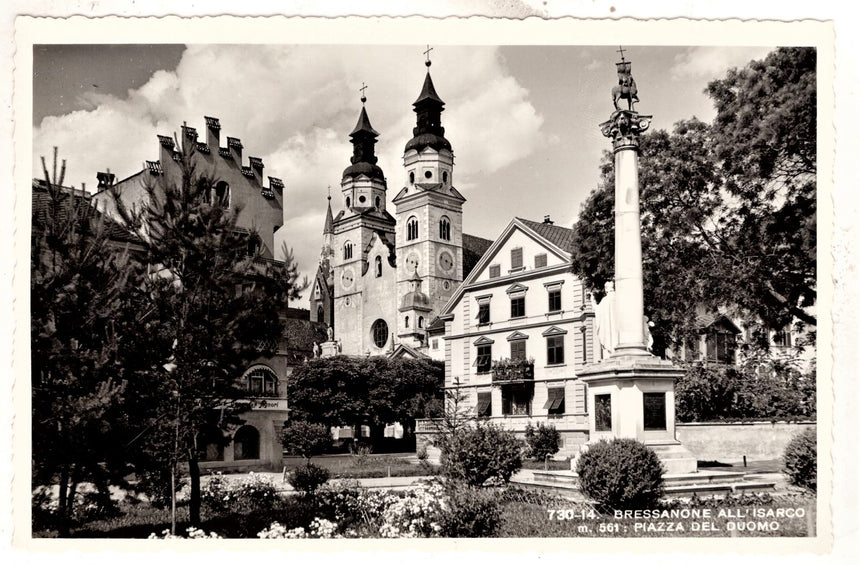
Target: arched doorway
[246,443]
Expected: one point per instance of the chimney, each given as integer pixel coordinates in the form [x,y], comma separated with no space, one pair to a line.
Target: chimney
[213,133]
[257,167]
[546,220]
[167,150]
[234,144]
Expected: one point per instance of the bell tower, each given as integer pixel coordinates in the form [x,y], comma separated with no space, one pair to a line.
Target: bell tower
[429,209]
[363,251]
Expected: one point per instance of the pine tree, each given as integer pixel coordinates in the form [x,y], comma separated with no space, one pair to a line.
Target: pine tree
[213,307]
[79,281]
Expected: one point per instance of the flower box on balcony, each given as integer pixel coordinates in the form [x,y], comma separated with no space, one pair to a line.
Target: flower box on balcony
[512,370]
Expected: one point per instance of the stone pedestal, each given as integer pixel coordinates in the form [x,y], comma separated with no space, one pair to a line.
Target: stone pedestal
[634,397]
[329,348]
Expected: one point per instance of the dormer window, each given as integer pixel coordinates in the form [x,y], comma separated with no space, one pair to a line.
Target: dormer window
[262,382]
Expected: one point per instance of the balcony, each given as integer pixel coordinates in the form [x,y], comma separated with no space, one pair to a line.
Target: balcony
[513,371]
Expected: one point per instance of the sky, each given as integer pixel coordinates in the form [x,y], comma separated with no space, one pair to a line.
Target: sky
[522,120]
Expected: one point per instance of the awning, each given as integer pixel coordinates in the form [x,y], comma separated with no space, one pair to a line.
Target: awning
[555,396]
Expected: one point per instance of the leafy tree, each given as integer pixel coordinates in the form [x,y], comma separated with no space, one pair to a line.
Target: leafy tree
[306,439]
[759,388]
[542,441]
[374,391]
[213,308]
[728,209]
[79,280]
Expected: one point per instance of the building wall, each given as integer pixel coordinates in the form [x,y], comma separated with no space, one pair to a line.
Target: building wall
[574,322]
[256,211]
[367,298]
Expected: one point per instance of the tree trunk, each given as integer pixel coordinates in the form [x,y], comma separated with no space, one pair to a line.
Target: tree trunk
[194,501]
[62,505]
[377,436]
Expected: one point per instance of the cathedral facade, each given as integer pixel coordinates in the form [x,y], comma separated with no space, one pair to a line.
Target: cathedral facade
[383,277]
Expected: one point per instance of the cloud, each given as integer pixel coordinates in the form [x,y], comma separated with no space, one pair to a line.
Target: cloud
[707,62]
[294,106]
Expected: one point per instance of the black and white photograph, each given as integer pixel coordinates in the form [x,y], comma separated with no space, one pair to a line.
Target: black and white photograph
[313,284]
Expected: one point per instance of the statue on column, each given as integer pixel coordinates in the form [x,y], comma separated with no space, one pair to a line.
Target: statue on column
[604,321]
[317,350]
[626,88]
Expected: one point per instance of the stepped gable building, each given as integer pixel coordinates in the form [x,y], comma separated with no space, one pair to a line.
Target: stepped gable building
[260,200]
[384,278]
[257,443]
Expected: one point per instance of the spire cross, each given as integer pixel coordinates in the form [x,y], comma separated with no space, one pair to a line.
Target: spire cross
[428,54]
[362,89]
[621,50]
[329,192]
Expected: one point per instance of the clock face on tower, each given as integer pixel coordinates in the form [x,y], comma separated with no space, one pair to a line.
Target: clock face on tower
[347,278]
[446,261]
[412,262]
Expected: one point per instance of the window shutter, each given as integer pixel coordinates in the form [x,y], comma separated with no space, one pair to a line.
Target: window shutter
[516,258]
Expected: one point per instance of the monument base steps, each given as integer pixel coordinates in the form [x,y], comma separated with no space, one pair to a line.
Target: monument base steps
[702,483]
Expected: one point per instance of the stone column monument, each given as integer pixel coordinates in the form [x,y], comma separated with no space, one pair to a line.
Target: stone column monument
[631,393]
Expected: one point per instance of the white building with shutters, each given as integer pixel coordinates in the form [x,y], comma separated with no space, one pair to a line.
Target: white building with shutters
[518,330]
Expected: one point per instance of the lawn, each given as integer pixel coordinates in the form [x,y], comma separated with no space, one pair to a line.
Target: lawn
[368,466]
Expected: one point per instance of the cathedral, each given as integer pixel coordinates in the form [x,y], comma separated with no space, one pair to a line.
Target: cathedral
[383,278]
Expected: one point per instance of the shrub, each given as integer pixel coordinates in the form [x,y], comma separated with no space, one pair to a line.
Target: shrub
[801,460]
[474,455]
[621,474]
[252,494]
[416,514]
[306,439]
[308,478]
[469,512]
[542,441]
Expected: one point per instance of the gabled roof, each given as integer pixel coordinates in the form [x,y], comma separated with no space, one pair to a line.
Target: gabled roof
[403,350]
[710,319]
[82,204]
[554,238]
[562,237]
[474,248]
[300,335]
[438,324]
